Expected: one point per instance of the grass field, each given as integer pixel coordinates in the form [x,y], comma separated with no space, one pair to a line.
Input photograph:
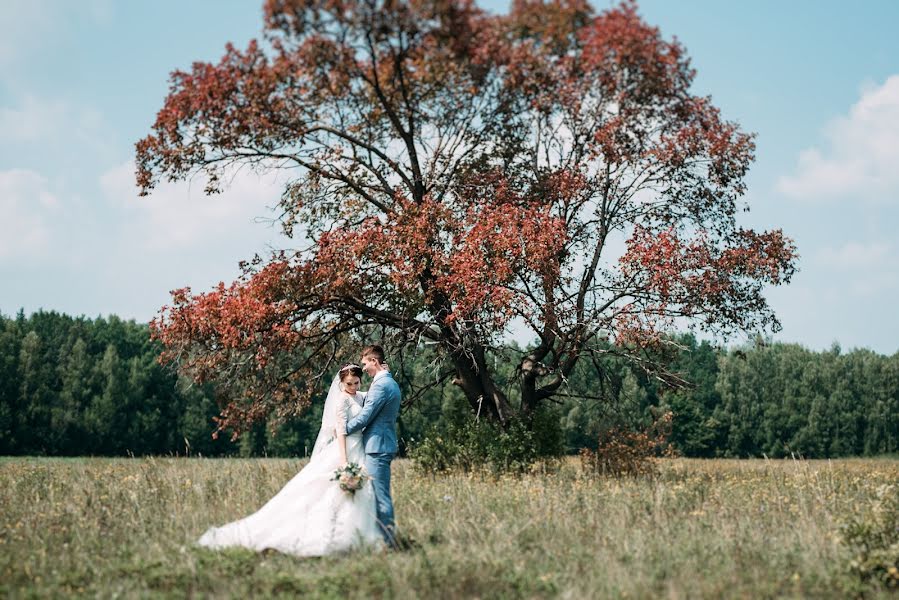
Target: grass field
[701,529]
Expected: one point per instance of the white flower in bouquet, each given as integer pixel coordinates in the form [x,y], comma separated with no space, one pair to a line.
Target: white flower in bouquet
[350,477]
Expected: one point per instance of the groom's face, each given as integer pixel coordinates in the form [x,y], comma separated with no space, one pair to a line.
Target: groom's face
[370,365]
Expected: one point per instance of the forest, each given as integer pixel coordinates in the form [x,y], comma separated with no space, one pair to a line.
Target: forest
[75,386]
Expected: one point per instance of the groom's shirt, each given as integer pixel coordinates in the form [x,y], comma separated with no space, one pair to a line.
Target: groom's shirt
[377,376]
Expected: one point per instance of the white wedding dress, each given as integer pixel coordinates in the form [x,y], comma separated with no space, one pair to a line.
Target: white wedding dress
[311,515]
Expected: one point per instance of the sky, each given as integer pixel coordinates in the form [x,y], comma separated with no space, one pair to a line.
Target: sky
[81,82]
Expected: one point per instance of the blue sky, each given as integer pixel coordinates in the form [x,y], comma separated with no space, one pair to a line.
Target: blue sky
[80,83]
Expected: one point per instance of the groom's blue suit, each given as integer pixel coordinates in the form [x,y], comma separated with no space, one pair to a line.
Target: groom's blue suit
[377,419]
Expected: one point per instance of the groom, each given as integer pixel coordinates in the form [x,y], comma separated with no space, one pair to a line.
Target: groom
[377,419]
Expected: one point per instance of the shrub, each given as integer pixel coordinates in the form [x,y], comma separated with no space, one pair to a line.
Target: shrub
[623,452]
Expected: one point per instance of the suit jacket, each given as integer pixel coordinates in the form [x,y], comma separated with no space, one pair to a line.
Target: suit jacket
[378,417]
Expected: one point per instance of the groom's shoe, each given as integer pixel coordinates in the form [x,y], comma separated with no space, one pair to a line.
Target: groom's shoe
[402,543]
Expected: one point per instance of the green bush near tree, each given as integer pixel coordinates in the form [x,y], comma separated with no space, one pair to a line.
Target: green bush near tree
[469,444]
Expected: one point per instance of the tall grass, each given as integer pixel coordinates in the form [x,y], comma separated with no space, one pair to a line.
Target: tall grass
[700,529]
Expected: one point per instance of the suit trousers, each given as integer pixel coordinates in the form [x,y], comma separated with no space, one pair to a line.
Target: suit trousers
[378,467]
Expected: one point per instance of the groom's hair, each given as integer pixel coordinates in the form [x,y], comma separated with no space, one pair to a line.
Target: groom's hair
[374,350]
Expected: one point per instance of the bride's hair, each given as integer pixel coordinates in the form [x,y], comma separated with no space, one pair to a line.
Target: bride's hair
[349,370]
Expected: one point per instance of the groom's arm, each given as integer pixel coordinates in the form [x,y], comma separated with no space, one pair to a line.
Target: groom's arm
[374,402]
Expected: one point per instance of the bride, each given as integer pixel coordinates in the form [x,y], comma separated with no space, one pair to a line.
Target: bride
[311,515]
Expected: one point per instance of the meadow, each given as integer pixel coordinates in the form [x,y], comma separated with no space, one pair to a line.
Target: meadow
[124,528]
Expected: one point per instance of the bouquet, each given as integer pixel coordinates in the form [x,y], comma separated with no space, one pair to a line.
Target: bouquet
[351,477]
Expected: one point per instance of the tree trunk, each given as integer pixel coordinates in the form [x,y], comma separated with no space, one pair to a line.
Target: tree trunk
[530,369]
[476,383]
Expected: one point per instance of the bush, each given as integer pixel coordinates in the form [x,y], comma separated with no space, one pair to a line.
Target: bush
[622,452]
[471,444]
[873,539]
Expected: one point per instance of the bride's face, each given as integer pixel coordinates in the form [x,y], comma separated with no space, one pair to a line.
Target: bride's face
[351,384]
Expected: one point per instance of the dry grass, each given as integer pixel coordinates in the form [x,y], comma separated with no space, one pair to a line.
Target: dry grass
[700,529]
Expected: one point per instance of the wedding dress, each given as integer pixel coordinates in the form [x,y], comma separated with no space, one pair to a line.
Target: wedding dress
[311,515]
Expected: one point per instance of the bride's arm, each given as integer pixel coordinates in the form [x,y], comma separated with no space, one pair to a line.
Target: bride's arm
[341,430]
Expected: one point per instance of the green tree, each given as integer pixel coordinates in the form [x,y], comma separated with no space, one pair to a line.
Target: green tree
[67,419]
[10,340]
[35,397]
[695,430]
[104,419]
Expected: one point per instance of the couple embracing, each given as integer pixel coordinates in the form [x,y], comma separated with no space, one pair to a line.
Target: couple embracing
[315,515]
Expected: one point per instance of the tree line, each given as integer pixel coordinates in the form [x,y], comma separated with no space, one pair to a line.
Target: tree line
[77,386]
[762,399]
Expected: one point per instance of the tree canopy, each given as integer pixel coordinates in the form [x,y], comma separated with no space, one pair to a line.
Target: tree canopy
[456,174]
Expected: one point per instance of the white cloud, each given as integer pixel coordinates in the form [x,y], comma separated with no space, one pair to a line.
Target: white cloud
[27,207]
[54,124]
[113,252]
[857,255]
[23,23]
[861,154]
[31,121]
[181,215]
[29,26]
[861,269]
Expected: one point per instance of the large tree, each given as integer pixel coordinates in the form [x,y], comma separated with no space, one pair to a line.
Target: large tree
[457,174]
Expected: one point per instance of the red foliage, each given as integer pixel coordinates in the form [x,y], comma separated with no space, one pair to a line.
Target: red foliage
[713,282]
[456,170]
[624,452]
